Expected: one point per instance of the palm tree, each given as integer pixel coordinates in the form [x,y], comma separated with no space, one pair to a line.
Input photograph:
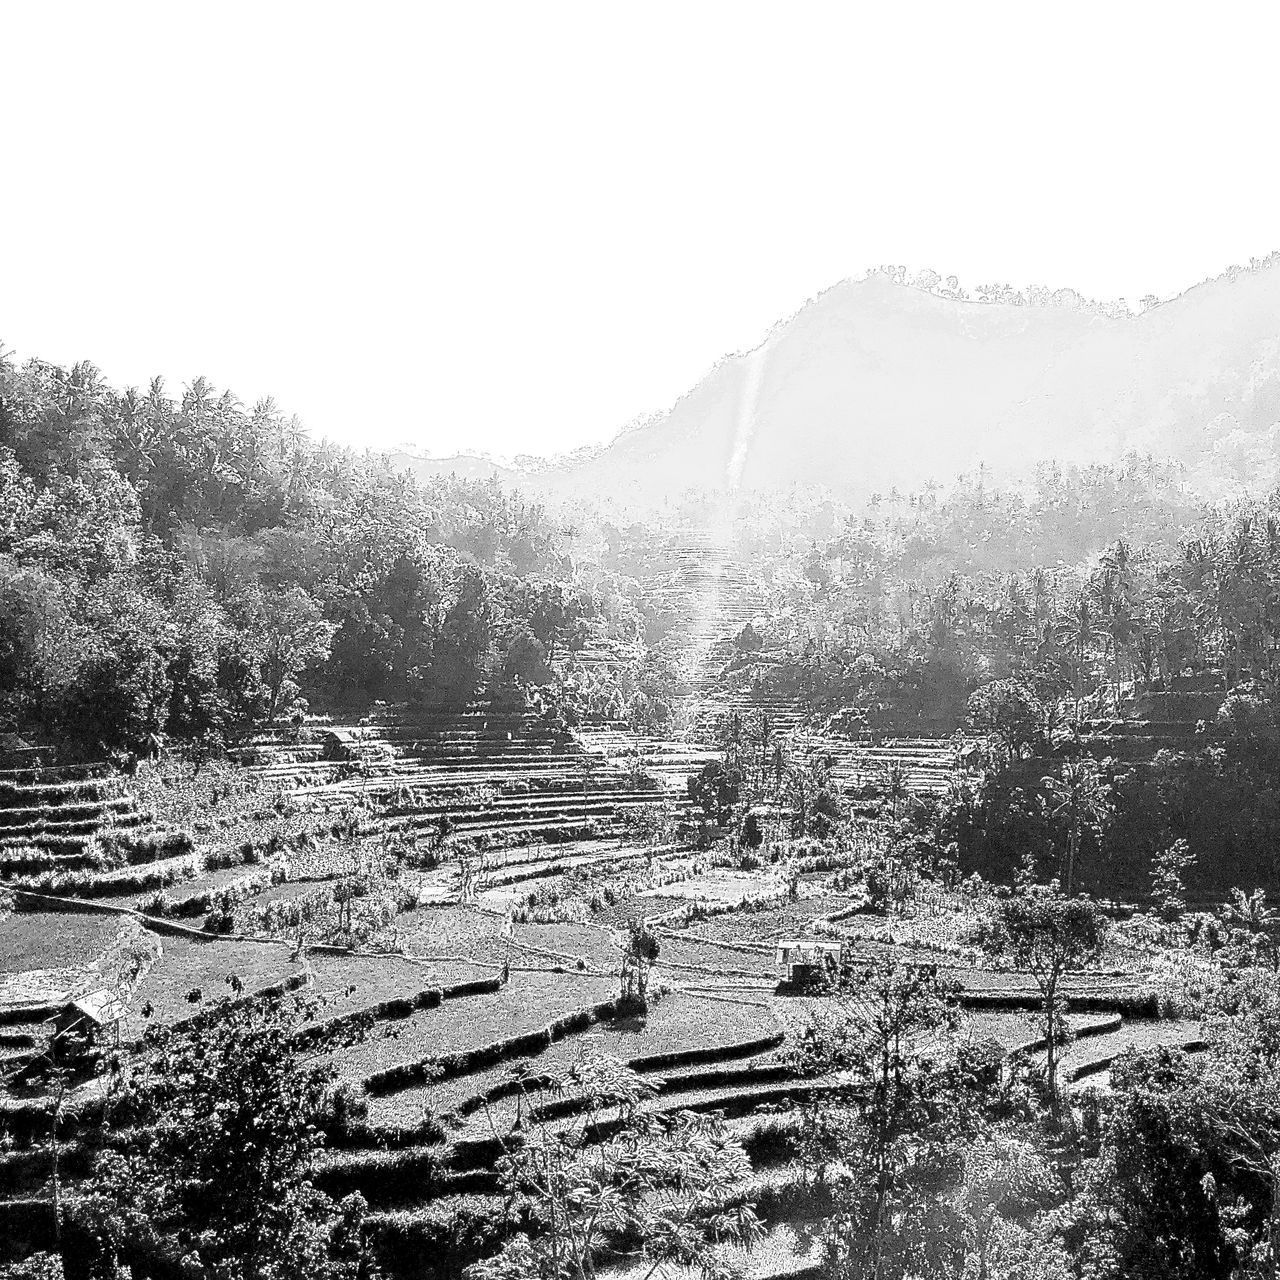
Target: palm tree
[1250,911]
[1078,630]
[1114,590]
[1251,915]
[895,785]
[1082,797]
[198,399]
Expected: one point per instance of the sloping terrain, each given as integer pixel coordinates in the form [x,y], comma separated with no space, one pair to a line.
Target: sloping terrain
[875,384]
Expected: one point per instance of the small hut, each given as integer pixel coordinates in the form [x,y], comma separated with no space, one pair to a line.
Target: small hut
[806,959]
[81,1023]
[340,744]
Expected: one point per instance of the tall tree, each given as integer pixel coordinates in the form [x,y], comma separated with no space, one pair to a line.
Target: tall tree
[1046,934]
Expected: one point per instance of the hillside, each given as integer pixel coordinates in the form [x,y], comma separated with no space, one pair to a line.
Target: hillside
[875,384]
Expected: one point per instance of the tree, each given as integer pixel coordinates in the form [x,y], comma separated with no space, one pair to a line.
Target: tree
[715,789]
[1187,1183]
[672,1184]
[1168,882]
[216,1162]
[895,785]
[1081,797]
[1152,1205]
[120,696]
[466,637]
[1115,590]
[556,616]
[1078,630]
[1010,712]
[526,658]
[809,788]
[1253,928]
[748,640]
[891,1109]
[294,636]
[640,947]
[1040,930]
[751,834]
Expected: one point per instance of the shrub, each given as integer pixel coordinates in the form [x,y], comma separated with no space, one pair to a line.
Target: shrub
[158,904]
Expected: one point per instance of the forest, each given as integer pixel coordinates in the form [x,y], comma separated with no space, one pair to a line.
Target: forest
[188,570]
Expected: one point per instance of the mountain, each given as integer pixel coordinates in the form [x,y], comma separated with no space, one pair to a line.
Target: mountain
[875,384]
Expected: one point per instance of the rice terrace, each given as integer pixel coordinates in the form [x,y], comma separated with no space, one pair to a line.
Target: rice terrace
[666,801]
[827,828]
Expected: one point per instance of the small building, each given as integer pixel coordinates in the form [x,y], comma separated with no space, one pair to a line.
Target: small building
[340,744]
[80,1023]
[805,959]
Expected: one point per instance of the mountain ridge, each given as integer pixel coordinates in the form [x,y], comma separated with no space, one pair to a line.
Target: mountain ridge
[877,383]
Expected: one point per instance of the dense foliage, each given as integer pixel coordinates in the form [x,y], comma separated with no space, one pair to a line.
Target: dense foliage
[212,1163]
[187,568]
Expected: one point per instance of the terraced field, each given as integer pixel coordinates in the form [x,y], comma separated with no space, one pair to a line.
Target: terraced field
[159,890]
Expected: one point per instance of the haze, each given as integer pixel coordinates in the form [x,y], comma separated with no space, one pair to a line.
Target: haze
[514,228]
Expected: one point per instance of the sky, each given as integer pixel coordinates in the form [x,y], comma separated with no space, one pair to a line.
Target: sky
[516,227]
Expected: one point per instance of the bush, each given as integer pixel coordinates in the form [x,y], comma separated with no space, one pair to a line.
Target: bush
[158,904]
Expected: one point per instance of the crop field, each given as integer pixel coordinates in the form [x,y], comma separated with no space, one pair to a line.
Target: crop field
[1089,1052]
[528,1002]
[770,922]
[192,971]
[437,975]
[723,887]
[44,940]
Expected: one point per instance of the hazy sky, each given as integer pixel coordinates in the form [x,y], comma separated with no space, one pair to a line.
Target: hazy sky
[515,227]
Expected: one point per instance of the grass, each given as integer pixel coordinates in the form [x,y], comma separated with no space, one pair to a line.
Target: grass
[529,1001]
[357,982]
[448,930]
[785,920]
[54,940]
[188,965]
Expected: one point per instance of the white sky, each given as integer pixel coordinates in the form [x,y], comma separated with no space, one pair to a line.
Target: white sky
[514,227]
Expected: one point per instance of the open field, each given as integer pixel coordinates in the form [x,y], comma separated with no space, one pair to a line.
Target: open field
[54,941]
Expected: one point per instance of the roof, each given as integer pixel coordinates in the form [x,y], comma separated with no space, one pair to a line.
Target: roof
[806,946]
[340,735]
[100,1007]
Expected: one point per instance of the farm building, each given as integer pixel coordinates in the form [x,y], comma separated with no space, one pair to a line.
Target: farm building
[804,959]
[340,744]
[80,1023]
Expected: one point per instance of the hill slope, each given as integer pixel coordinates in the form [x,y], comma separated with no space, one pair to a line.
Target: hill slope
[875,384]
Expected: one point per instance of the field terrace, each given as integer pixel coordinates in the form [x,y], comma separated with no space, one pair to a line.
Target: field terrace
[435,1068]
[517,970]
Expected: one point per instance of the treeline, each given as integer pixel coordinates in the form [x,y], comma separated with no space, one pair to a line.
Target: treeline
[906,616]
[1156,655]
[186,567]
